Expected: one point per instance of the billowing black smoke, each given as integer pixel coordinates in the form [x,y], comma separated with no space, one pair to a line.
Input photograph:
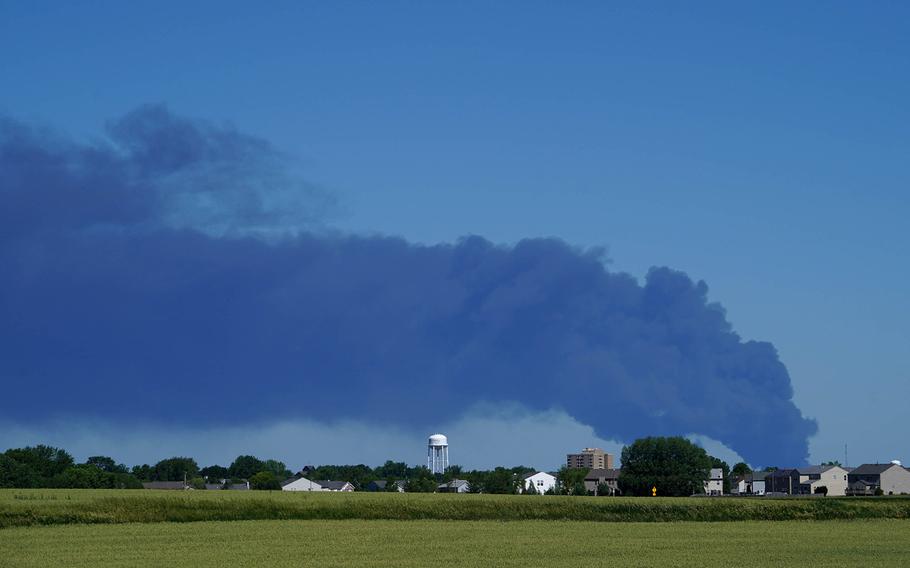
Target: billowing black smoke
[147,277]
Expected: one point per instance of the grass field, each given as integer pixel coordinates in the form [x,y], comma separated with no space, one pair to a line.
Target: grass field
[79,506]
[867,543]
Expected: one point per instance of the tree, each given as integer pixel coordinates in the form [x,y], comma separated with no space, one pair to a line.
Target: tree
[143,472]
[676,466]
[264,480]
[107,464]
[244,467]
[832,462]
[175,469]
[421,480]
[277,468]
[571,480]
[15,474]
[214,472]
[604,490]
[529,487]
[46,461]
[741,469]
[390,469]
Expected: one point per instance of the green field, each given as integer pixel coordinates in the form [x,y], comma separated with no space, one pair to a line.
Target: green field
[43,527]
[79,506]
[461,543]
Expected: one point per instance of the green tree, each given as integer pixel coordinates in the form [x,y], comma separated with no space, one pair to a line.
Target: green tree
[15,474]
[83,476]
[244,467]
[740,470]
[277,468]
[175,469]
[676,466]
[143,472]
[421,480]
[571,480]
[390,469]
[105,463]
[264,480]
[46,461]
[214,472]
[529,487]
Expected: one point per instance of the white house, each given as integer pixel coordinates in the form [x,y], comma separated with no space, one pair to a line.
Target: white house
[749,484]
[541,481]
[454,486]
[328,485]
[300,484]
[714,485]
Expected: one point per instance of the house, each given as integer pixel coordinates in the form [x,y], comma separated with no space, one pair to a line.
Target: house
[454,486]
[383,485]
[598,477]
[779,481]
[170,485]
[541,481]
[750,484]
[328,485]
[300,484]
[231,487]
[714,485]
[809,480]
[891,478]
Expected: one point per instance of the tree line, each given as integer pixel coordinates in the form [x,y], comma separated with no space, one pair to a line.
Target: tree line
[674,465]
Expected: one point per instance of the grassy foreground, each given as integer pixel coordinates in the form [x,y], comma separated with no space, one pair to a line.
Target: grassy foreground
[277,544]
[79,506]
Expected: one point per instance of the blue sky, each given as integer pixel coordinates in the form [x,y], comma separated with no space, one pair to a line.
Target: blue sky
[761,147]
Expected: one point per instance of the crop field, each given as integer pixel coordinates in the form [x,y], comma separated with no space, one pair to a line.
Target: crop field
[355,543]
[79,506]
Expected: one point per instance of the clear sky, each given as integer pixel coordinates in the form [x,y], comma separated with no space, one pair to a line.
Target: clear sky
[759,146]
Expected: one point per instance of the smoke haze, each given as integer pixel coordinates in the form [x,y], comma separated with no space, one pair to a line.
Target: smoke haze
[174,272]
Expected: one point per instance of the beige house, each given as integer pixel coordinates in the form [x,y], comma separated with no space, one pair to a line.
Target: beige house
[809,480]
[597,477]
[891,478]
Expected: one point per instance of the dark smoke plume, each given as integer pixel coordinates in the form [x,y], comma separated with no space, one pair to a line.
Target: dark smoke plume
[136,285]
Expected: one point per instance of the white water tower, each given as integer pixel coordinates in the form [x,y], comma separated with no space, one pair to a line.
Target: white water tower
[437,453]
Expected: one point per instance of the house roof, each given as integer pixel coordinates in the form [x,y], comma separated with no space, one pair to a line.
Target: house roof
[873,468]
[533,473]
[332,485]
[598,474]
[454,483]
[780,473]
[813,469]
[164,485]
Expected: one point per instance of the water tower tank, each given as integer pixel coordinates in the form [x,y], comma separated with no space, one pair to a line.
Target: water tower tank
[437,453]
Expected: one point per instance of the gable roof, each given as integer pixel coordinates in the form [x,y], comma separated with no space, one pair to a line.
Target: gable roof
[533,473]
[164,485]
[813,469]
[605,474]
[873,468]
[333,485]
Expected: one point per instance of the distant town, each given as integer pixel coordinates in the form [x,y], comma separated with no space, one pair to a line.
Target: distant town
[652,466]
